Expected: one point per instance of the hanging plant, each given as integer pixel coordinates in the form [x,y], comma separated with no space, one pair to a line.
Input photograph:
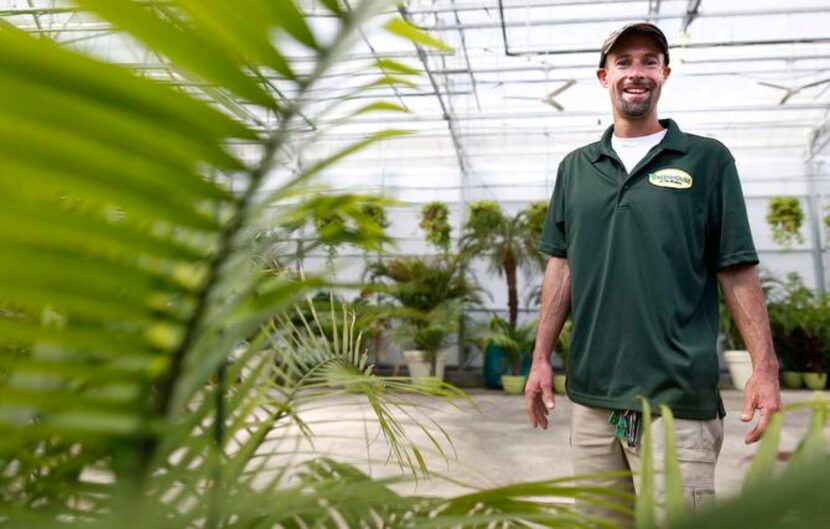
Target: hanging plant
[784,216]
[376,214]
[435,222]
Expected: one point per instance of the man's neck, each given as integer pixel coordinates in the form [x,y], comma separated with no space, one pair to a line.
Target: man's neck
[628,128]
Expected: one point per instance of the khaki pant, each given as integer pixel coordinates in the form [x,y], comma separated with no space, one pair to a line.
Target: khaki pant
[594,449]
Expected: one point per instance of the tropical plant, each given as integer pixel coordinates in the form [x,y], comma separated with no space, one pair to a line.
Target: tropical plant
[785,216]
[505,241]
[422,283]
[800,319]
[534,218]
[771,497]
[516,342]
[428,331]
[424,296]
[129,279]
[142,368]
[436,225]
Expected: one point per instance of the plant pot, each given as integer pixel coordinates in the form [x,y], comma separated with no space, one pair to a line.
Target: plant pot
[740,367]
[418,363]
[513,385]
[815,381]
[792,379]
[495,366]
[559,383]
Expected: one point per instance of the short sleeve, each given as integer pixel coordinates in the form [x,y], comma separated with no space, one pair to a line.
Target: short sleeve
[730,239]
[554,236]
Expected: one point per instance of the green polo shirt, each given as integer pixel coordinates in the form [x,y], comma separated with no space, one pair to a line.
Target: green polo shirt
[644,250]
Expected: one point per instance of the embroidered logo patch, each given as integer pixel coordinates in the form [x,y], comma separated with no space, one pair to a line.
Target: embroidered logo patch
[674,178]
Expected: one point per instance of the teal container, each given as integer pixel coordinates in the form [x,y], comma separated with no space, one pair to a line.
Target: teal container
[495,366]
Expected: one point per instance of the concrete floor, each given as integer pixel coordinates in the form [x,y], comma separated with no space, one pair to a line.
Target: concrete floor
[494,444]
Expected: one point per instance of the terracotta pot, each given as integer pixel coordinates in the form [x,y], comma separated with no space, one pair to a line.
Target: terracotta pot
[513,385]
[815,381]
[792,379]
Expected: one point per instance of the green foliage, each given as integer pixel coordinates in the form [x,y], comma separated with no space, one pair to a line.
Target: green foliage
[508,243]
[563,345]
[421,283]
[516,342]
[148,360]
[484,222]
[436,225]
[534,218]
[431,331]
[785,216]
[424,296]
[376,213]
[137,385]
[800,322]
[773,497]
[827,223]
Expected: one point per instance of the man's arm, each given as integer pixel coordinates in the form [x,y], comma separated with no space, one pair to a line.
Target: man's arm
[743,295]
[556,304]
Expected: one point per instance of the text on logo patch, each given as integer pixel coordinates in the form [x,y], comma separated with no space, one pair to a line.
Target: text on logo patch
[674,178]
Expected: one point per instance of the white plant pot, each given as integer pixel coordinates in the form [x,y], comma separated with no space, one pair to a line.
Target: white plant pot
[418,364]
[740,367]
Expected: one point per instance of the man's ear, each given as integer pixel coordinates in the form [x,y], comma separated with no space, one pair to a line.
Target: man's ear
[602,75]
[666,73]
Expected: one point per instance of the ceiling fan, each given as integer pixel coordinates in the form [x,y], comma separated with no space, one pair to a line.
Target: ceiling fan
[549,99]
[791,91]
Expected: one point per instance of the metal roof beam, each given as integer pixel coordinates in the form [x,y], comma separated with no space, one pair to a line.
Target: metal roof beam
[692,12]
[623,17]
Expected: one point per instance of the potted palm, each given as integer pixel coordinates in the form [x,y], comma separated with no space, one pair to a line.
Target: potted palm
[517,343]
[424,337]
[423,296]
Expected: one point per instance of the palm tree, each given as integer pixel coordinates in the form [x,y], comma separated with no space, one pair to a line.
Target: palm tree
[508,243]
[147,355]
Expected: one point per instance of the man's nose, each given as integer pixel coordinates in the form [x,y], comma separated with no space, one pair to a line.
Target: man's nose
[636,71]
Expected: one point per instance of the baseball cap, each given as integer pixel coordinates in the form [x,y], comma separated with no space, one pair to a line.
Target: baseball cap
[638,27]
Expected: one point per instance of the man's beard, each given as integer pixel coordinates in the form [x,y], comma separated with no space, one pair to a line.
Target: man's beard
[637,108]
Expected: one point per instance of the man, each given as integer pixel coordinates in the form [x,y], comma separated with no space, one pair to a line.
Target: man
[641,228]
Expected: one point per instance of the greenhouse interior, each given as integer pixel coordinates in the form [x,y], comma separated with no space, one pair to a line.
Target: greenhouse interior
[279,263]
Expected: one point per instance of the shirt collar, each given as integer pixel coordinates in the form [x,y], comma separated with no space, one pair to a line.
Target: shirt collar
[674,140]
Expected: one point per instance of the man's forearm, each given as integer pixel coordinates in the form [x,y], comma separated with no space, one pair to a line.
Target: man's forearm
[556,305]
[745,300]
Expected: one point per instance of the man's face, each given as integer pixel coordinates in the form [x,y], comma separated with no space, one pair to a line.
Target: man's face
[634,74]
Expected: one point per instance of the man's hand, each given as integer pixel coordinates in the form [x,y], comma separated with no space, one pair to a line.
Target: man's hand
[539,393]
[761,393]
[745,299]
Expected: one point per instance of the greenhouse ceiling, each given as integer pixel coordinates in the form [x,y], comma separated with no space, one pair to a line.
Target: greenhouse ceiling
[495,114]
